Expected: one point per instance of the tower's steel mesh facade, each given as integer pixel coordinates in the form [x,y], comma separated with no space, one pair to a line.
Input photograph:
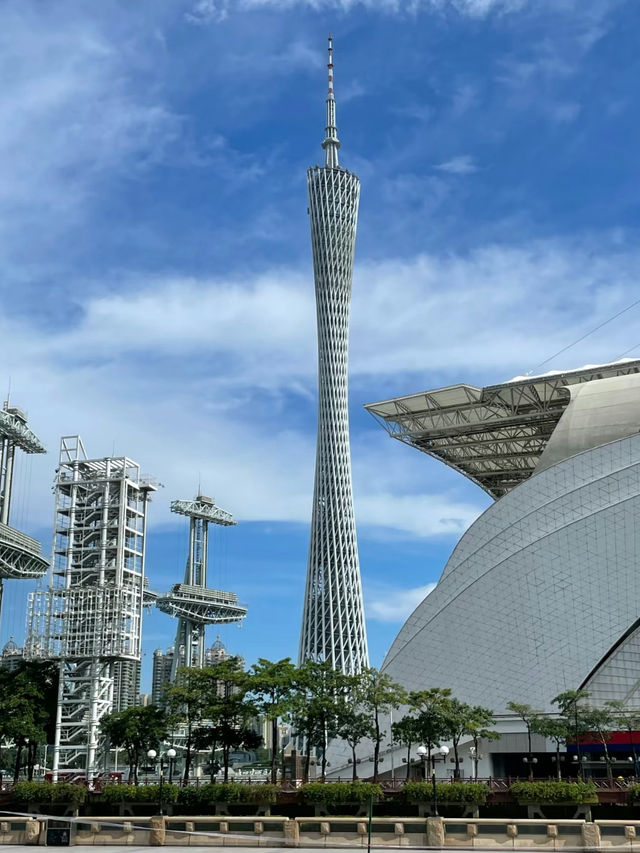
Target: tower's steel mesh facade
[333,626]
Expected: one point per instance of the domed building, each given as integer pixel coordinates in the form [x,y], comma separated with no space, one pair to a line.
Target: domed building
[542,592]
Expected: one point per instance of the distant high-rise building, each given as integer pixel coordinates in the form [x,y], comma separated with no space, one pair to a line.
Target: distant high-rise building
[162,664]
[90,618]
[333,626]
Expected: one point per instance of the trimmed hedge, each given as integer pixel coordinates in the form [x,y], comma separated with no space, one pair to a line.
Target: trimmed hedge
[340,793]
[227,792]
[139,793]
[548,793]
[47,792]
[230,792]
[633,794]
[447,792]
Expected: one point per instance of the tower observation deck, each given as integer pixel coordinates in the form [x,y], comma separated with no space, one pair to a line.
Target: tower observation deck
[193,604]
[333,627]
[20,555]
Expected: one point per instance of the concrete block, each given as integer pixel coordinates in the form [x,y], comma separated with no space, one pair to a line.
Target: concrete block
[472,830]
[258,827]
[552,831]
[512,830]
[158,831]
[325,828]
[629,832]
[590,835]
[127,826]
[435,832]
[398,829]
[224,826]
[32,831]
[4,826]
[189,826]
[291,833]
[363,828]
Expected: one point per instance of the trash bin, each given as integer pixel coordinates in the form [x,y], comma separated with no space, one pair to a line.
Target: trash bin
[58,834]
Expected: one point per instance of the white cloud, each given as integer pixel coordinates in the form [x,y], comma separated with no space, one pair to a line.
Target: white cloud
[462,165]
[385,604]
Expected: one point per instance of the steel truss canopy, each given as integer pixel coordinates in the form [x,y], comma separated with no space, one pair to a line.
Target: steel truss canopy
[20,555]
[204,508]
[201,605]
[493,435]
[13,428]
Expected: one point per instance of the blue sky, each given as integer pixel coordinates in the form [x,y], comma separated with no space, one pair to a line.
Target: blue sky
[157,292]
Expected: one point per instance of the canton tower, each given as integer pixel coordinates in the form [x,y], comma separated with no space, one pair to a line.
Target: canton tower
[333,627]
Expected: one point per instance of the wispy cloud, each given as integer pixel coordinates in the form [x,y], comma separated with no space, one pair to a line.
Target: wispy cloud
[388,604]
[464,164]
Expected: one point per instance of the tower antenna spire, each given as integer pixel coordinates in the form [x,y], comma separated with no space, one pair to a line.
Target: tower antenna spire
[331,142]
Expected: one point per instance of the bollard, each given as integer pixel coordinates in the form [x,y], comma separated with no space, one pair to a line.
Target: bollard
[32,831]
[590,835]
[291,833]
[157,832]
[435,832]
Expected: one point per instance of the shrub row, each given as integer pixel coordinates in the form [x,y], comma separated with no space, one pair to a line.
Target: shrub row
[227,792]
[337,793]
[447,792]
[555,792]
[46,792]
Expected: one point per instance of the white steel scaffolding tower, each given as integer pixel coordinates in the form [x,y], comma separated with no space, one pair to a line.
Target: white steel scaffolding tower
[194,605]
[90,618]
[20,555]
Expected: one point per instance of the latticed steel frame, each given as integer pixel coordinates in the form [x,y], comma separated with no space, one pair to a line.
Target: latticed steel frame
[193,603]
[90,618]
[333,626]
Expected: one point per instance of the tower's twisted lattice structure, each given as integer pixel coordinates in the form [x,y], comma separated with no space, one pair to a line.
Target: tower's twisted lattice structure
[90,618]
[20,555]
[194,605]
[333,626]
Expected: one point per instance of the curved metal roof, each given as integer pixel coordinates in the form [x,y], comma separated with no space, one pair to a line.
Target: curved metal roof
[493,435]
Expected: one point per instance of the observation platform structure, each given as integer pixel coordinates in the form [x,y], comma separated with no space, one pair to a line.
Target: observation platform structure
[499,435]
[20,555]
[192,603]
[90,617]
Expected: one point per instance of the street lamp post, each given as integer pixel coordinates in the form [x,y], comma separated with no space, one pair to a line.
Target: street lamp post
[171,755]
[422,752]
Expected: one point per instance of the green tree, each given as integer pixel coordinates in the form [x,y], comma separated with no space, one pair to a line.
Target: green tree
[626,719]
[461,720]
[405,732]
[556,729]
[377,695]
[353,727]
[227,707]
[185,704]
[273,688]
[570,703]
[431,707]
[316,709]
[28,701]
[478,727]
[527,714]
[135,730]
[600,721]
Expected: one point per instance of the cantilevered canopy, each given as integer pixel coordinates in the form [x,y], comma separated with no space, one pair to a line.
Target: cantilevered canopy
[202,605]
[493,435]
